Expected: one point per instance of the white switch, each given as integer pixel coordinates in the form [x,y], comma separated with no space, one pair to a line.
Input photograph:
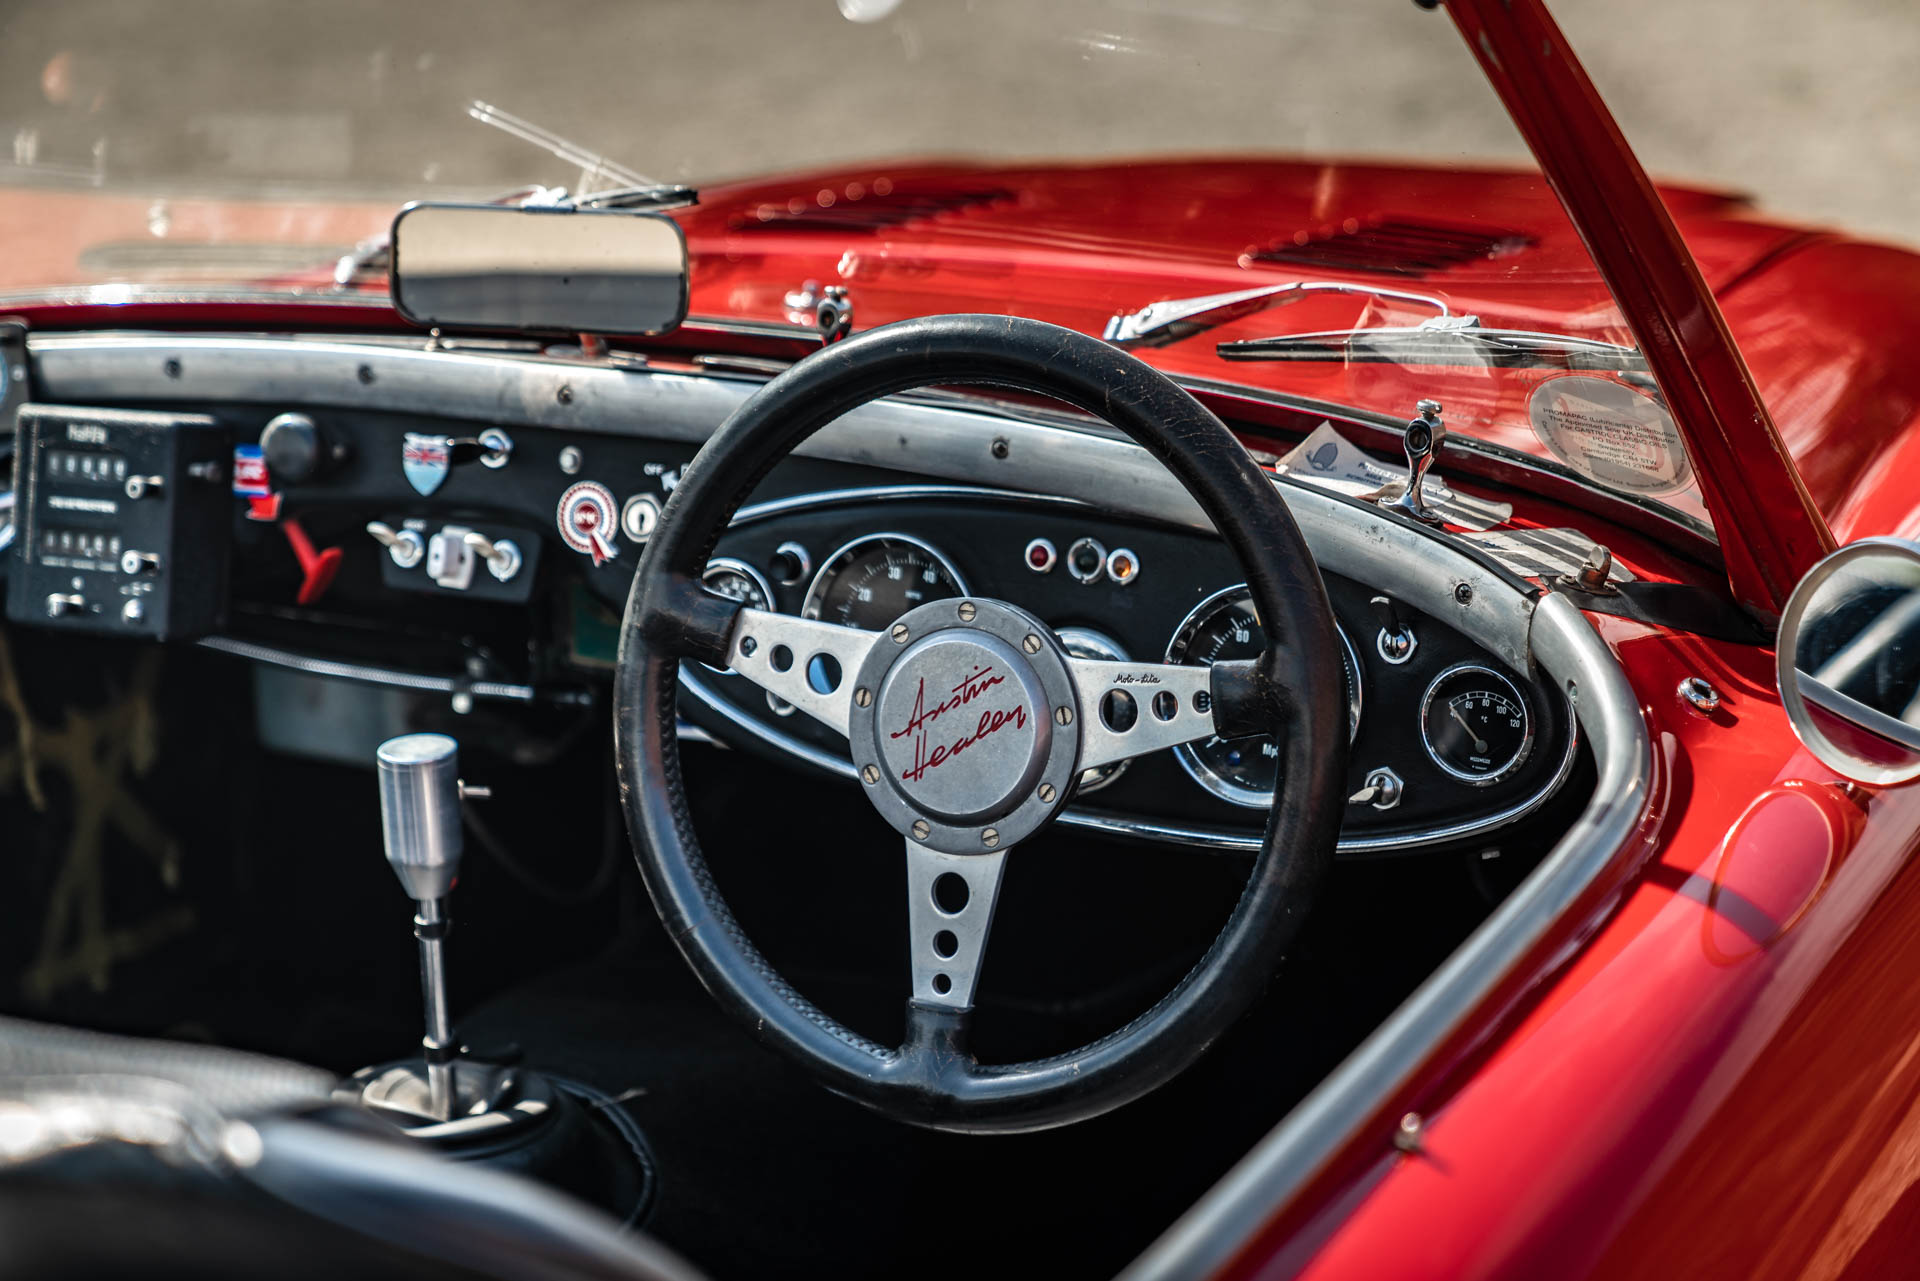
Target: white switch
[450,561]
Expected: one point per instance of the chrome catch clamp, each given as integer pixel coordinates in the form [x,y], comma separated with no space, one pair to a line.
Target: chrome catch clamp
[1422,441]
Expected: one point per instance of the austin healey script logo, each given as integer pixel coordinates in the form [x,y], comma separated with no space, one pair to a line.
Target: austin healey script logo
[991,722]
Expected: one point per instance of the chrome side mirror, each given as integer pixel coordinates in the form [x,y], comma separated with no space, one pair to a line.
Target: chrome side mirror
[1849,661]
[539,269]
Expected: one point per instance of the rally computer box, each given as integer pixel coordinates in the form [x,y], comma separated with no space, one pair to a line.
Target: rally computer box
[122,522]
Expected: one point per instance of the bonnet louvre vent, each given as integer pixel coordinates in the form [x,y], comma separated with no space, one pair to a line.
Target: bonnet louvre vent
[1391,246]
[857,208]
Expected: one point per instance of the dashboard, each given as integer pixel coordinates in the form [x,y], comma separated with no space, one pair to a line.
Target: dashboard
[1446,740]
[464,526]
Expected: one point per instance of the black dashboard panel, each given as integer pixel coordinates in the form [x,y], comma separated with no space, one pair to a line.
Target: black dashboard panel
[986,538]
[575,506]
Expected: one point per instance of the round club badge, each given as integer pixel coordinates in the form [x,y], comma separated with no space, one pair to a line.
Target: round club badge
[1613,434]
[588,519]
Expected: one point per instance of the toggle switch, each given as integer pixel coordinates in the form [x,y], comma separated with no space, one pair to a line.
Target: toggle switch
[501,554]
[1396,640]
[404,546]
[139,562]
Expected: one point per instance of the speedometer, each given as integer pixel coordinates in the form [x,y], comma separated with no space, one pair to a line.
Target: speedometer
[873,580]
[1222,628]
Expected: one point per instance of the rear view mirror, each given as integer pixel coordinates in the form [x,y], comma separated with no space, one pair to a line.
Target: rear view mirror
[539,269]
[1849,661]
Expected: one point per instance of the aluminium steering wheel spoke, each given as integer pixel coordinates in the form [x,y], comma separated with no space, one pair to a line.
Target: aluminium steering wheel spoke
[950,902]
[809,664]
[1131,709]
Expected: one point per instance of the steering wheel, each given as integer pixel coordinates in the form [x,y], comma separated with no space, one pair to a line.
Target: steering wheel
[969,725]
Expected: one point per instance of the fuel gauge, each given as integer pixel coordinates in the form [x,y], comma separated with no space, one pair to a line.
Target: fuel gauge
[1475,724]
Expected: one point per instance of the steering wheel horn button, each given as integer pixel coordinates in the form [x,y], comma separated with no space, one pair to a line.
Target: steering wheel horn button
[958,728]
[961,730]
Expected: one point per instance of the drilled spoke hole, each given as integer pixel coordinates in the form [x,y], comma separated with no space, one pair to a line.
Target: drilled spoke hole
[823,673]
[945,944]
[950,893]
[1118,711]
[1165,705]
[781,658]
[942,984]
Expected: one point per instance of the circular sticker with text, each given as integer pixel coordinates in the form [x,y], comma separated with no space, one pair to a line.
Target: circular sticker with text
[1614,435]
[587,518]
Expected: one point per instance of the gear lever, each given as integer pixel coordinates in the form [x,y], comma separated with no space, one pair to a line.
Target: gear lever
[420,794]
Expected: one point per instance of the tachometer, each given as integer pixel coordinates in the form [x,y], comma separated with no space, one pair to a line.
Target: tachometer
[873,580]
[1223,627]
[1475,724]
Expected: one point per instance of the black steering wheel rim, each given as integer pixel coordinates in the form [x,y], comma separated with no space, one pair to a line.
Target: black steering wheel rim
[931,1080]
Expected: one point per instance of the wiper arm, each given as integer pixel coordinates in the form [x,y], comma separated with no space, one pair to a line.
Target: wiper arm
[608,183]
[1454,340]
[631,190]
[1161,323]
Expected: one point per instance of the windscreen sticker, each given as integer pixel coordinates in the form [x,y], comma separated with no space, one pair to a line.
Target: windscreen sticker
[1612,434]
[1331,461]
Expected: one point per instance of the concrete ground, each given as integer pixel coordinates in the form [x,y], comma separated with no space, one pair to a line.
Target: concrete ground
[1814,107]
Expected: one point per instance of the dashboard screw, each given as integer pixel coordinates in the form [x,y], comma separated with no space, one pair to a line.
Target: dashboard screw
[1463,593]
[565,394]
[900,633]
[967,611]
[920,829]
[1000,447]
[1063,715]
[1047,793]
[1032,645]
[172,368]
[863,697]
[748,645]
[990,837]
[365,374]
[871,773]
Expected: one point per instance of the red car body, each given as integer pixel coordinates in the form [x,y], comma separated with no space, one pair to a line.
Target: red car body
[1710,1065]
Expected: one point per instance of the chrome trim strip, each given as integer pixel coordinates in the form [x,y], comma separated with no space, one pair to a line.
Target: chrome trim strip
[1210,1233]
[415,681]
[1222,839]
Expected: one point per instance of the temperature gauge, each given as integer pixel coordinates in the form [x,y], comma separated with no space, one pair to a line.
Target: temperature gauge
[1475,724]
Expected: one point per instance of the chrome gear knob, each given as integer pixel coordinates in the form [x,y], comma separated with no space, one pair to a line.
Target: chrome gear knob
[420,812]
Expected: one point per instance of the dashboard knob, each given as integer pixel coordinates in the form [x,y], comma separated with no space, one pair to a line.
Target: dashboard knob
[296,451]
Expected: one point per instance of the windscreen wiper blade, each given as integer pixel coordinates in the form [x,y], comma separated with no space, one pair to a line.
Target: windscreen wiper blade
[1446,344]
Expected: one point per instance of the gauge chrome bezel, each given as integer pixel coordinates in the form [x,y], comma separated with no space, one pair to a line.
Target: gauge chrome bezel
[1520,700]
[1205,775]
[817,589]
[734,565]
